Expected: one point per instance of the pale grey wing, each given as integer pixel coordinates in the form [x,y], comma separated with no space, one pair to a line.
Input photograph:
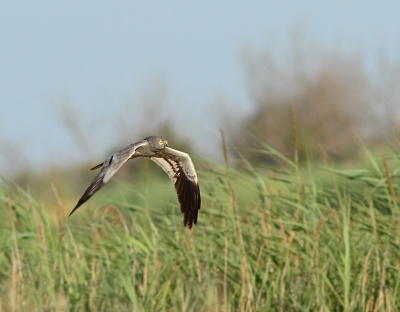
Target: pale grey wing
[109,168]
[180,169]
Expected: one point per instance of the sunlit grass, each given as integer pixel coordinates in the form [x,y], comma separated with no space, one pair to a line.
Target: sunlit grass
[305,237]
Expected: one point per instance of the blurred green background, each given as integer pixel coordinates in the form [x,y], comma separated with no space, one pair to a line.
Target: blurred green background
[299,200]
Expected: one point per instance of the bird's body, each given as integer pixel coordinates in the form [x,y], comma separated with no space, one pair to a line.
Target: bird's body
[176,164]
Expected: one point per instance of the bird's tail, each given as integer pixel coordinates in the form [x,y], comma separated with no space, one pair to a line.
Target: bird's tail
[97,167]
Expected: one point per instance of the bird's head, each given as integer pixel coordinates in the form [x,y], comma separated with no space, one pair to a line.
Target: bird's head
[157,142]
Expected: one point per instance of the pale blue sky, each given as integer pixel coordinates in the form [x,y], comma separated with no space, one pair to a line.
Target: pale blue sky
[104,57]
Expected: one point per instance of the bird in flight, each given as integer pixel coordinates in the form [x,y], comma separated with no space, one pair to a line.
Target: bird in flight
[176,164]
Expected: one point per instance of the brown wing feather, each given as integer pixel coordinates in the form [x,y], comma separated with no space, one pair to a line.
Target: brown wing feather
[189,197]
[186,187]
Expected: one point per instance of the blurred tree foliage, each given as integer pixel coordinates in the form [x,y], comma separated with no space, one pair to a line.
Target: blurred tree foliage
[332,98]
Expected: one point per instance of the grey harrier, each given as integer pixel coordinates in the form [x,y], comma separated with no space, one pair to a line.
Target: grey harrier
[176,164]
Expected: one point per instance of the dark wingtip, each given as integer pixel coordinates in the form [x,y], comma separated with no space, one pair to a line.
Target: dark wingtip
[190,206]
[89,193]
[76,207]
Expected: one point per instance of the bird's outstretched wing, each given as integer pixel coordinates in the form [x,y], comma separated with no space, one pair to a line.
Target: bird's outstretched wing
[108,169]
[180,169]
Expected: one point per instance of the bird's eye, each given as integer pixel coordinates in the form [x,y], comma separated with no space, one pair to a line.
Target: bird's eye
[160,141]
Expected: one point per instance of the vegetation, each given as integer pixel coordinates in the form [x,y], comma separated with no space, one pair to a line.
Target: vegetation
[305,237]
[336,98]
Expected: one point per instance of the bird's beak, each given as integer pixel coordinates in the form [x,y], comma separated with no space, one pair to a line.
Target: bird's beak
[166,143]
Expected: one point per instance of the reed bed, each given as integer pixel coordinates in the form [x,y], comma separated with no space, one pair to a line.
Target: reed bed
[302,238]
